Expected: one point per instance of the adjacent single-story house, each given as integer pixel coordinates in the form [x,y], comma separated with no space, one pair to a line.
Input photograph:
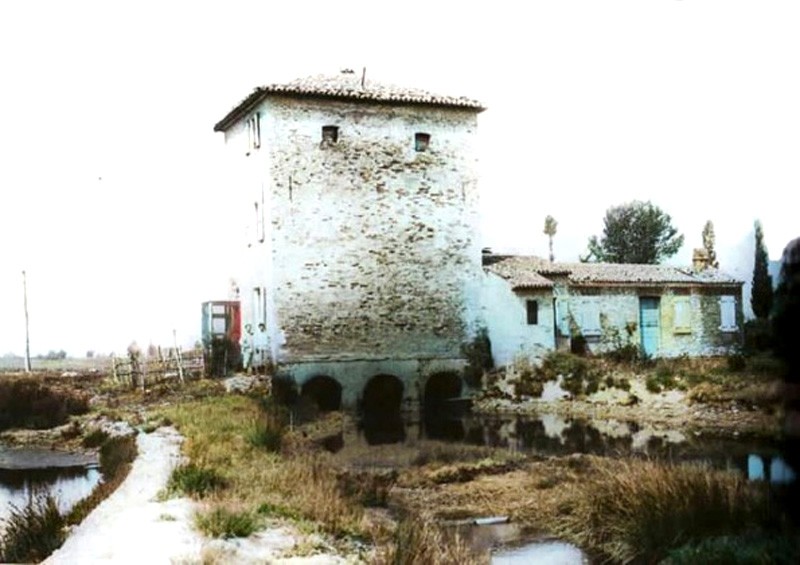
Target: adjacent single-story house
[532,306]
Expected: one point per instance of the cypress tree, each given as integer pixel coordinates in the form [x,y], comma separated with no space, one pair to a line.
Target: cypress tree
[761,297]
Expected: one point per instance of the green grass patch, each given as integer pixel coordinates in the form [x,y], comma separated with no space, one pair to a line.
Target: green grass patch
[220,522]
[192,480]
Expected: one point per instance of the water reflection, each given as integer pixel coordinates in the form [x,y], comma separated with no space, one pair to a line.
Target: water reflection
[552,434]
[68,485]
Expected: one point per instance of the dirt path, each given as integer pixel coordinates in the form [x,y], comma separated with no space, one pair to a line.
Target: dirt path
[133,526]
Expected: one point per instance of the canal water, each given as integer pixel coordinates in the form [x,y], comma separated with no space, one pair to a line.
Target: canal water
[24,473]
[757,458]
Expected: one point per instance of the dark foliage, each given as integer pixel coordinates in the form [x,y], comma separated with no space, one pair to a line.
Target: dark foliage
[761,298]
[479,358]
[635,232]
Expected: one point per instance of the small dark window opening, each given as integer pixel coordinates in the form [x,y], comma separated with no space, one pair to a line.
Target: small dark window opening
[421,141]
[533,312]
[330,134]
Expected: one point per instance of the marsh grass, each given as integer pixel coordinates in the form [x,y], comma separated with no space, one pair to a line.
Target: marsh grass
[421,541]
[32,532]
[637,510]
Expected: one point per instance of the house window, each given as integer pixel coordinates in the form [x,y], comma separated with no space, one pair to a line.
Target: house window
[533,312]
[254,132]
[727,311]
[421,141]
[330,134]
[682,322]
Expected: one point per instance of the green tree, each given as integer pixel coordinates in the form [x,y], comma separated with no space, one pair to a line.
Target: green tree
[550,226]
[761,296]
[635,232]
[708,244]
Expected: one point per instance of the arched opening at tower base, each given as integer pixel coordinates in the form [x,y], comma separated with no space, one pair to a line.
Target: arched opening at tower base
[439,416]
[380,407]
[324,391]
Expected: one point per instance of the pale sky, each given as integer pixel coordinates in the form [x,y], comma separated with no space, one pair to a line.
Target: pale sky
[112,189]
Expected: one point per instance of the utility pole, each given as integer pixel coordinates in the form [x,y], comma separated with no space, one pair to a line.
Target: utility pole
[27,335]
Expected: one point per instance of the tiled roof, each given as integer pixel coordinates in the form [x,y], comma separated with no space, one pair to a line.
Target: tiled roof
[517,268]
[518,271]
[346,86]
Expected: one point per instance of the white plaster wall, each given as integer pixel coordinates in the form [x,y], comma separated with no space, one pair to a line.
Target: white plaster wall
[372,249]
[505,316]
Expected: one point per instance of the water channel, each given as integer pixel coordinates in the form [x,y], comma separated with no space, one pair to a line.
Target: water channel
[24,472]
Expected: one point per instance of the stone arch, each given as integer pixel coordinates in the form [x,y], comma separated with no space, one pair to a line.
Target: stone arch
[383,394]
[439,419]
[439,388]
[324,391]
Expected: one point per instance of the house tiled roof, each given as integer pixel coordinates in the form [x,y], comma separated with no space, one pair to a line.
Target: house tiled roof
[517,268]
[346,86]
[520,272]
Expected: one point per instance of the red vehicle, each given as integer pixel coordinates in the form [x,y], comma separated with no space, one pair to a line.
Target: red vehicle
[221,333]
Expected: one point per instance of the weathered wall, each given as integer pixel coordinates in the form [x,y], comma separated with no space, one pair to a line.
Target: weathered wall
[369,249]
[699,334]
[505,316]
[374,245]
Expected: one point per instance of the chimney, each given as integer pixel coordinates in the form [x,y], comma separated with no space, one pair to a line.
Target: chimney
[700,260]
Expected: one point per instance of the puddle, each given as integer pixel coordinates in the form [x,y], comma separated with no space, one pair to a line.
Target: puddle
[552,552]
[70,477]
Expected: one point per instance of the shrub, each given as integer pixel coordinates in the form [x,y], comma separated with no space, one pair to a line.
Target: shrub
[479,358]
[191,480]
[757,336]
[528,381]
[223,523]
[32,532]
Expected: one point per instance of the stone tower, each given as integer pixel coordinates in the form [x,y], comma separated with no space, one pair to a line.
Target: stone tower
[362,206]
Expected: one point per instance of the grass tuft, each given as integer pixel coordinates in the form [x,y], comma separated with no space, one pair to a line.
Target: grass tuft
[191,480]
[221,522]
[32,532]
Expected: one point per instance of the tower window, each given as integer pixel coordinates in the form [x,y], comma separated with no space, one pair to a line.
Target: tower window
[254,132]
[421,141]
[330,134]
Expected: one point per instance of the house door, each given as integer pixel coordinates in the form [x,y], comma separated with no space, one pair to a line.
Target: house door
[648,322]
